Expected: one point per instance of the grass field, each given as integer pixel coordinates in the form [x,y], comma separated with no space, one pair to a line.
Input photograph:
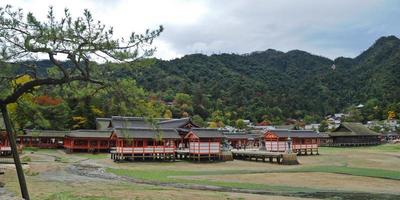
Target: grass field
[339,173]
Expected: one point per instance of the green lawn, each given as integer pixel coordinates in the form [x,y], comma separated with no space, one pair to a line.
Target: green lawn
[355,171]
[384,148]
[377,148]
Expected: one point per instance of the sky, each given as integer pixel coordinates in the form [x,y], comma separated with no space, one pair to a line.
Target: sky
[329,28]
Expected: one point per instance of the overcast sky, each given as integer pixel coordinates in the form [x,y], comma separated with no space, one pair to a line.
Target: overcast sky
[330,28]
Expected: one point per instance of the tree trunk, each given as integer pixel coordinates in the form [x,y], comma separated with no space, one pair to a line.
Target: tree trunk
[17,161]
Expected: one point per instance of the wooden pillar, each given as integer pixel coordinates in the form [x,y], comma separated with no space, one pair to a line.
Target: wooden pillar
[144,146]
[277,143]
[209,149]
[199,149]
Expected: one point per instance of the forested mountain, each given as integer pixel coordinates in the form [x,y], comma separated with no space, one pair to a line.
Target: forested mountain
[273,84]
[267,86]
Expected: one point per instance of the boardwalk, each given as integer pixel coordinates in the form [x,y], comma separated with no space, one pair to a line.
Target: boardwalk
[257,155]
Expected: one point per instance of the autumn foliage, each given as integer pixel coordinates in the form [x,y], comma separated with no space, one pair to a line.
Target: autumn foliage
[45,100]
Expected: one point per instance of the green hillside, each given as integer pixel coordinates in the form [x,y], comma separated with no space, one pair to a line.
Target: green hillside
[262,86]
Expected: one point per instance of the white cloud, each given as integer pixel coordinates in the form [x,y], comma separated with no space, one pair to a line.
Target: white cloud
[331,28]
[125,16]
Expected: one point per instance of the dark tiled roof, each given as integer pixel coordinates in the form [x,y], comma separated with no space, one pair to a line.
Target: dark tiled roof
[237,136]
[129,122]
[289,127]
[207,133]
[324,135]
[352,129]
[102,123]
[133,133]
[45,133]
[295,133]
[176,123]
[90,133]
[257,132]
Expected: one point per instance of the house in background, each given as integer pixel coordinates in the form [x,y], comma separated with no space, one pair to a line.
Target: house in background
[183,126]
[354,134]
[391,124]
[325,140]
[42,138]
[391,136]
[204,143]
[312,127]
[88,141]
[238,140]
[298,141]
[144,143]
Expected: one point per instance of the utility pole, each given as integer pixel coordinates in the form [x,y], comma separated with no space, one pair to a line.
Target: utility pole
[14,150]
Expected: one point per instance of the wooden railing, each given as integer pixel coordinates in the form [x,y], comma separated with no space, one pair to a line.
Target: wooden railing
[69,146]
[5,148]
[282,146]
[146,150]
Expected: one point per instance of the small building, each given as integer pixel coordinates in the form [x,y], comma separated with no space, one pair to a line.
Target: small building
[391,136]
[204,143]
[42,138]
[237,140]
[325,139]
[298,141]
[312,126]
[88,141]
[354,134]
[144,143]
[183,126]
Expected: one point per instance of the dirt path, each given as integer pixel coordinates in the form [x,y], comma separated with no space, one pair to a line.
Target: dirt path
[95,171]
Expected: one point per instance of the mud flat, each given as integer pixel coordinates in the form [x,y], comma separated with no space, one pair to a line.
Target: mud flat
[350,173]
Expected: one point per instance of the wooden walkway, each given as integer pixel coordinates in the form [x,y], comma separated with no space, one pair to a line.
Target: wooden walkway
[116,156]
[257,155]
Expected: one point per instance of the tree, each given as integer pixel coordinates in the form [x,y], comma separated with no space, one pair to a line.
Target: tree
[354,115]
[240,124]
[198,120]
[391,115]
[308,119]
[217,119]
[323,126]
[167,114]
[80,41]
[184,103]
